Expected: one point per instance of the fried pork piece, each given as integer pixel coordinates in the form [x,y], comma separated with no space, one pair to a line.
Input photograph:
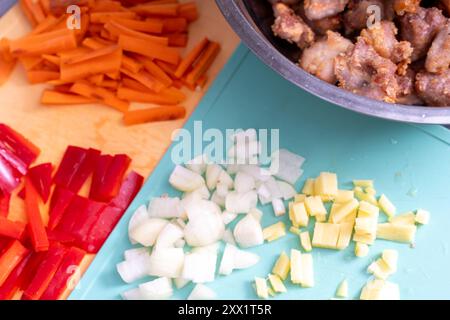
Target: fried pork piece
[320,26]
[407,92]
[288,2]
[403,6]
[319,9]
[319,58]
[381,36]
[438,57]
[359,14]
[363,71]
[291,27]
[433,88]
[420,28]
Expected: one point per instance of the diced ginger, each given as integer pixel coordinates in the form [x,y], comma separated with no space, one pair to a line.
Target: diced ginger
[314,206]
[295,230]
[366,226]
[282,266]
[305,241]
[299,215]
[386,205]
[299,197]
[274,231]
[422,216]
[326,186]
[307,271]
[380,290]
[343,196]
[362,196]
[271,292]
[364,238]
[278,207]
[296,266]
[370,191]
[344,210]
[276,283]
[404,218]
[367,209]
[308,188]
[262,291]
[379,269]
[396,232]
[342,289]
[363,183]
[390,257]
[361,249]
[326,235]
[345,235]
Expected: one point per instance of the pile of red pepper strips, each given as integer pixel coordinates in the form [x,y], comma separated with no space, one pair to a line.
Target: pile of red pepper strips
[40,260]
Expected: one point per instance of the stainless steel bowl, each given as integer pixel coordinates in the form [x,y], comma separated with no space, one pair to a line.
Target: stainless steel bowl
[251,20]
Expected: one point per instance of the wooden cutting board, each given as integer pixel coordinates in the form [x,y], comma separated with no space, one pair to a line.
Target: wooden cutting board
[54,128]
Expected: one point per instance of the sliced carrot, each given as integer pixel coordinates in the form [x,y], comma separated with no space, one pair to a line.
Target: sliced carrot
[191,57]
[102,64]
[96,79]
[146,79]
[148,97]
[167,67]
[149,49]
[154,114]
[104,17]
[174,25]
[52,59]
[41,76]
[189,11]
[6,68]
[50,97]
[113,75]
[116,29]
[31,62]
[204,62]
[149,25]
[177,39]
[107,6]
[135,85]
[33,11]
[112,84]
[45,5]
[69,54]
[92,43]
[93,54]
[5,51]
[131,64]
[63,88]
[47,24]
[201,82]
[174,93]
[95,29]
[107,97]
[155,70]
[154,9]
[177,83]
[85,22]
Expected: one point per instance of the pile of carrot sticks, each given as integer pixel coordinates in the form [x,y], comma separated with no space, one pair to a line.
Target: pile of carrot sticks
[112,54]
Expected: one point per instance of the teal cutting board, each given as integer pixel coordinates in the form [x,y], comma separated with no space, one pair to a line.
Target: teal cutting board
[411,164]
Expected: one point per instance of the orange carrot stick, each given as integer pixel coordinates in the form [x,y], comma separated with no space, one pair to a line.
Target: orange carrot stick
[131,64]
[146,79]
[45,5]
[135,85]
[155,70]
[69,54]
[191,57]
[189,11]
[107,97]
[47,24]
[201,82]
[116,29]
[149,49]
[33,11]
[52,59]
[149,25]
[112,84]
[6,68]
[204,63]
[50,97]
[104,17]
[107,6]
[160,10]
[40,76]
[96,79]
[174,25]
[93,54]
[31,62]
[154,114]
[148,97]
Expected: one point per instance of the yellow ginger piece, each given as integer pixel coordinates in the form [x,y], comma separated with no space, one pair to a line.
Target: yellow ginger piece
[380,290]
[326,235]
[363,183]
[314,206]
[308,188]
[344,210]
[345,235]
[326,186]
[404,218]
[276,283]
[386,205]
[305,241]
[370,191]
[342,289]
[271,292]
[296,266]
[262,291]
[343,196]
[390,257]
[396,232]
[302,269]
[361,249]
[299,198]
[274,231]
[368,210]
[295,230]
[282,266]
[366,223]
[299,215]
[362,196]
[422,216]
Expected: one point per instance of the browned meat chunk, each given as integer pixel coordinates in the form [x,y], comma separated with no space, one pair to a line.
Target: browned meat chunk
[438,57]
[320,26]
[288,2]
[407,92]
[434,89]
[291,27]
[404,6]
[363,71]
[360,14]
[319,58]
[420,28]
[319,9]
[381,36]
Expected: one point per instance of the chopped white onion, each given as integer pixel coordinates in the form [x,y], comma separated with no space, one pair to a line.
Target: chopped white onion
[222,190]
[228,237]
[147,232]
[233,168]
[287,190]
[256,213]
[225,179]
[287,157]
[133,269]
[139,216]
[286,166]
[244,182]
[273,187]
[258,173]
[203,192]
[248,232]
[218,199]
[180,243]
[180,282]
[166,262]
[227,217]
[236,202]
[169,235]
[185,180]
[264,194]
[202,292]
[133,294]
[289,174]
[134,253]
[198,164]
[234,258]
[200,267]
[158,289]
[165,207]
[213,172]
[278,207]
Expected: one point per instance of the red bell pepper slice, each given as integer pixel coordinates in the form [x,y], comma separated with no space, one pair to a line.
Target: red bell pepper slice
[100,172]
[85,170]
[61,199]
[30,269]
[12,255]
[11,229]
[108,181]
[12,284]
[102,228]
[41,177]
[66,270]
[18,146]
[9,177]
[38,234]
[45,272]
[128,190]
[58,236]
[5,198]
[75,208]
[86,220]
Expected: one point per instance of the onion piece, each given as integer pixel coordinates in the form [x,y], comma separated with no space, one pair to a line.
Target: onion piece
[234,258]
[256,213]
[169,235]
[157,289]
[202,292]
[198,164]
[248,232]
[228,237]
[134,253]
[264,195]
[244,182]
[138,217]
[287,190]
[218,199]
[180,243]
[133,294]
[134,269]
[213,172]
[185,180]
[286,157]
[200,267]
[166,262]
[165,207]
[228,217]
[258,173]
[278,207]
[180,282]
[222,189]
[286,165]
[236,202]
[273,187]
[147,232]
